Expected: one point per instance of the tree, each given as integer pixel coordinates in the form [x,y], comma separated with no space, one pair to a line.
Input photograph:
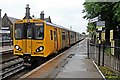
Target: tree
[109,12]
[92,9]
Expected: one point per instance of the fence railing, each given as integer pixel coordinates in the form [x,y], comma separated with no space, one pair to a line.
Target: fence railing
[99,53]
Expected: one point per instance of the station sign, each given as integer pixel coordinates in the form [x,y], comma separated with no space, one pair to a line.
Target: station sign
[93,20]
[100,25]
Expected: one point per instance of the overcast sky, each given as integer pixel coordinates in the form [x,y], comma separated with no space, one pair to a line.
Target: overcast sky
[62,12]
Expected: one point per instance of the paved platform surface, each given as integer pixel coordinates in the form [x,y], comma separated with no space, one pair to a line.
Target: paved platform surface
[74,65]
[78,66]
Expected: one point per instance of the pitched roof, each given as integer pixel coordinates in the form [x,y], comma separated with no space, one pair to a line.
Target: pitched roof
[13,20]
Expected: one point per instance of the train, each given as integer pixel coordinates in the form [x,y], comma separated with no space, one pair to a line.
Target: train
[36,39]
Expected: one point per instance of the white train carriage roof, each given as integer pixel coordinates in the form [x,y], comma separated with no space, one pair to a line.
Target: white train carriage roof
[55,25]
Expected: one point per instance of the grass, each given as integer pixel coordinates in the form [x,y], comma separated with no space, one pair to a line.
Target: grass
[109,74]
[108,51]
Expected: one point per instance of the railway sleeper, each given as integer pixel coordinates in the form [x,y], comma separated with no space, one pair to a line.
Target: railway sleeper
[9,64]
[12,70]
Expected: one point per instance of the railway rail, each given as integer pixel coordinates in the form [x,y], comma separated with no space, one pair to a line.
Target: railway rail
[6,52]
[6,56]
[11,66]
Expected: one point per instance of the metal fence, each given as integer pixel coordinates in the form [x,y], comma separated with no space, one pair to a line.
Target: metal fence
[99,54]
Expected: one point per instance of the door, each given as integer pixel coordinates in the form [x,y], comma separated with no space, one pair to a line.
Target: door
[55,40]
[28,41]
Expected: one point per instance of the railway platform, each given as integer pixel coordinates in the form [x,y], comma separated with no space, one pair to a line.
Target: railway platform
[71,64]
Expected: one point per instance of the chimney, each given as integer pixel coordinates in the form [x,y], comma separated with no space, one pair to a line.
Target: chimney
[0,14]
[27,14]
[42,15]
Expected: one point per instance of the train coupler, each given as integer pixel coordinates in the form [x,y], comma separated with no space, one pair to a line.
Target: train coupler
[27,60]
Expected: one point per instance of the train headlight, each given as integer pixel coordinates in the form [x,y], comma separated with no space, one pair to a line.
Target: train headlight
[17,48]
[41,48]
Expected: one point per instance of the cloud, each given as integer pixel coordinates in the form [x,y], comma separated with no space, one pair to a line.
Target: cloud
[63,12]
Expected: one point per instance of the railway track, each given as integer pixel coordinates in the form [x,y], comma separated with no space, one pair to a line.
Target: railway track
[5,52]
[14,65]
[11,66]
[6,56]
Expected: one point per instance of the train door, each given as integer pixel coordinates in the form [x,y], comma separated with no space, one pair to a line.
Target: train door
[29,40]
[55,40]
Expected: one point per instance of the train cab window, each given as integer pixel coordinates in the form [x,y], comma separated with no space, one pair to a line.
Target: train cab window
[51,33]
[39,31]
[18,31]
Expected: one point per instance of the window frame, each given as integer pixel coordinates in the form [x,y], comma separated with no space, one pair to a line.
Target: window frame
[51,34]
[22,31]
[63,36]
[55,35]
[34,36]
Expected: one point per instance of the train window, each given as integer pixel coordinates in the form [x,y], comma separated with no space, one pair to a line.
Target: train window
[55,35]
[29,32]
[51,34]
[71,36]
[67,35]
[39,32]
[18,31]
[63,35]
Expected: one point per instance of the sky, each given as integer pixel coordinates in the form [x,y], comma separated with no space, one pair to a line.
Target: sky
[62,12]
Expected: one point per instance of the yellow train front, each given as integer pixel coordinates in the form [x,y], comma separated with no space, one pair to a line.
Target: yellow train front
[29,39]
[36,39]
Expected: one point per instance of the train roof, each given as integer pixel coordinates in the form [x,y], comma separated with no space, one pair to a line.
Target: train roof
[55,25]
[48,23]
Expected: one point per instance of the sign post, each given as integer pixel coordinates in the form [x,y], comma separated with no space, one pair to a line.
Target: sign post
[100,25]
